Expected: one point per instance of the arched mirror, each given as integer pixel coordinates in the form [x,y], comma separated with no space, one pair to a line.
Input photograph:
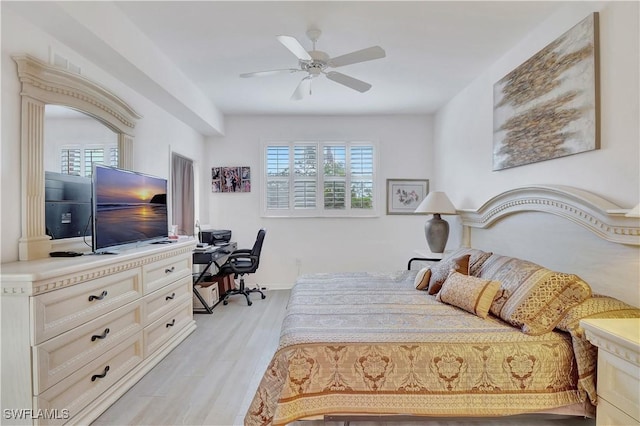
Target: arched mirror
[73,142]
[43,85]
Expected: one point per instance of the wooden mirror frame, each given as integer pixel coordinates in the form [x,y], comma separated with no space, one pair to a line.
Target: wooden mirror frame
[44,84]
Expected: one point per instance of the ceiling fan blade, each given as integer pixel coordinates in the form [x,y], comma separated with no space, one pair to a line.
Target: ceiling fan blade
[368,54]
[350,82]
[295,47]
[303,88]
[269,72]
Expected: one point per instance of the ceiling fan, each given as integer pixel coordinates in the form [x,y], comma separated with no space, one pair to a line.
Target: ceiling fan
[316,62]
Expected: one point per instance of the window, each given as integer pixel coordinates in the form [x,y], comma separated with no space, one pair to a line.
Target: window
[70,161]
[92,155]
[305,176]
[113,156]
[277,177]
[319,179]
[79,161]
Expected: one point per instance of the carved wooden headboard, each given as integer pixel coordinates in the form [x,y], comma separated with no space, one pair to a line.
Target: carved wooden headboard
[565,229]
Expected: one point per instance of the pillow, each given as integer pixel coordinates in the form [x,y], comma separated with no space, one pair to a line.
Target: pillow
[440,271]
[477,259]
[511,272]
[442,268]
[422,279]
[540,302]
[469,293]
[597,306]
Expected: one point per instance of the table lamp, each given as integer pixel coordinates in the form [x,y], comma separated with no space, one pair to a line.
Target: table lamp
[436,229]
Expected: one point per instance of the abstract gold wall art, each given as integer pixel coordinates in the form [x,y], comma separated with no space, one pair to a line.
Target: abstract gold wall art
[548,107]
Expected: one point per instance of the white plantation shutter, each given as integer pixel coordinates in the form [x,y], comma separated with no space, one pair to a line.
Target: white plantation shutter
[77,160]
[113,157]
[334,195]
[277,192]
[335,161]
[92,155]
[304,194]
[335,172]
[305,160]
[361,177]
[319,179]
[70,161]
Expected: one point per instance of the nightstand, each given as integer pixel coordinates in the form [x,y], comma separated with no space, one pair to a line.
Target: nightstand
[425,256]
[618,342]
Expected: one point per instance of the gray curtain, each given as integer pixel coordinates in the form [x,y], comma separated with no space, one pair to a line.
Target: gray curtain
[182,194]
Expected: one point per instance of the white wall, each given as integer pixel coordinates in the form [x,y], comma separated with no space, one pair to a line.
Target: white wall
[463,139]
[156,133]
[330,244]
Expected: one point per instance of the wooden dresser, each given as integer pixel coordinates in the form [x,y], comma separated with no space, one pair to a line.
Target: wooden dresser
[618,342]
[78,332]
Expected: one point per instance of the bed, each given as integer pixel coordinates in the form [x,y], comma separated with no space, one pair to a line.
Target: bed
[374,344]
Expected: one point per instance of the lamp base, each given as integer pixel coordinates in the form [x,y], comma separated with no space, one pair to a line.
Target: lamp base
[437,232]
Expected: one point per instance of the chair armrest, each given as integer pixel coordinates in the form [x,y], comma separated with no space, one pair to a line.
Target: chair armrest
[241,251]
[242,263]
[245,255]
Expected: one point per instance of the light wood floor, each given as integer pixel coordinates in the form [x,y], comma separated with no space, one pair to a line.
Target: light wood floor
[211,377]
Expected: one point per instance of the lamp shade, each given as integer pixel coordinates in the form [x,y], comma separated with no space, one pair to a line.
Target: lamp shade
[436,202]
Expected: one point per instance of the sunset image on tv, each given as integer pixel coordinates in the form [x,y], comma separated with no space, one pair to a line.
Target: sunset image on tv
[129,207]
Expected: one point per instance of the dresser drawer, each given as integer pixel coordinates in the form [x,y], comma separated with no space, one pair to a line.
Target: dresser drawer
[78,390]
[61,310]
[162,301]
[166,327]
[163,272]
[619,383]
[57,358]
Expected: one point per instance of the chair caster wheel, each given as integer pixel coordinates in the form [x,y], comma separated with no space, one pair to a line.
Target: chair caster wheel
[249,303]
[225,302]
[264,297]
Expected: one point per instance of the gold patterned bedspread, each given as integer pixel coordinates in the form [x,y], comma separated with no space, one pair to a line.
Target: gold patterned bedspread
[358,343]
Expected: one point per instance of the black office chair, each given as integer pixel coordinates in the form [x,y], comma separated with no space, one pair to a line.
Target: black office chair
[241,262]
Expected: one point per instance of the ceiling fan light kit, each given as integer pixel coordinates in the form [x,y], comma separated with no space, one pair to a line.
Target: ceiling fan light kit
[315,62]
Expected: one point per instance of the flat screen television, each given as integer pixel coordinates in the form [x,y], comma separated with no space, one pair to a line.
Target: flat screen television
[67,205]
[128,207]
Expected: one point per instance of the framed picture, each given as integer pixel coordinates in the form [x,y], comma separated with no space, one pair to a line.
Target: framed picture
[548,107]
[231,179]
[404,195]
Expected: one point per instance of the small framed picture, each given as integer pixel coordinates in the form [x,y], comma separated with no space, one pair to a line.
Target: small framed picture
[231,179]
[404,195]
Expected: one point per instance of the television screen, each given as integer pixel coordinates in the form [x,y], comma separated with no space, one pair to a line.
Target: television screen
[128,207]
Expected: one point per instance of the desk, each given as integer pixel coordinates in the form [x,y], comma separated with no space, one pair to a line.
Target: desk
[215,255]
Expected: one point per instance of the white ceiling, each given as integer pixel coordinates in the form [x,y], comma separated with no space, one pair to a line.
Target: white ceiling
[434,49]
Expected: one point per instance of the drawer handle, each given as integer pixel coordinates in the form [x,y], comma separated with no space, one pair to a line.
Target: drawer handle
[171,324]
[102,296]
[173,295]
[169,270]
[100,376]
[100,336]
